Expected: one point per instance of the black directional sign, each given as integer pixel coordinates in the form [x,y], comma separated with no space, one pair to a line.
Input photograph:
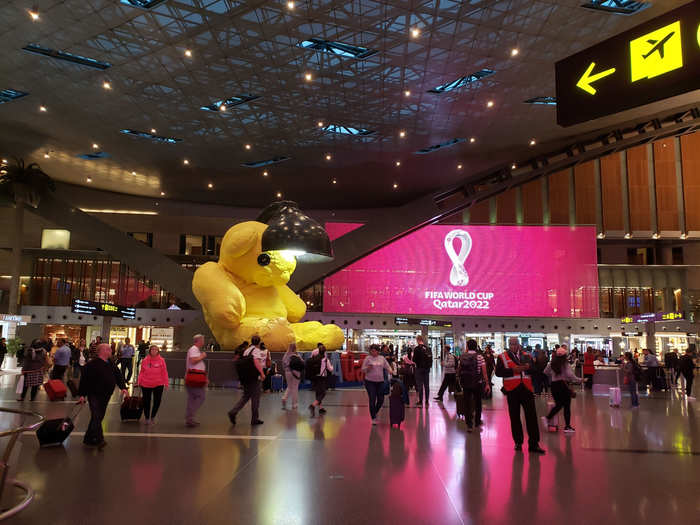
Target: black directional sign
[81,306]
[655,60]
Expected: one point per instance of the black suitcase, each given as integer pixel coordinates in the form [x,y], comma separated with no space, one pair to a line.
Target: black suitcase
[53,432]
[461,402]
[132,408]
[73,387]
[397,410]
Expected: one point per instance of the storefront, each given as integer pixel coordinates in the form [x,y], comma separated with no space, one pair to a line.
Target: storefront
[667,341]
[64,331]
[163,338]
[597,342]
[10,322]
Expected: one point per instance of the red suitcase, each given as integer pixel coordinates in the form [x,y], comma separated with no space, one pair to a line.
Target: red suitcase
[55,389]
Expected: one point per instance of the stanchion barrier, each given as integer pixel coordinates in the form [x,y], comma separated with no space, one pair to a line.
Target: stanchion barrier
[14,434]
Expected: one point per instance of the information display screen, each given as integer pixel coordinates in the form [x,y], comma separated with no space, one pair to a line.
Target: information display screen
[519,271]
[80,306]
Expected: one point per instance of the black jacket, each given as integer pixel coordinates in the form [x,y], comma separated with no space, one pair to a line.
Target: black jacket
[99,378]
[422,357]
[687,366]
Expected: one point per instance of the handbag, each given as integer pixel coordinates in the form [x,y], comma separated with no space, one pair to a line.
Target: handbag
[20,384]
[196,378]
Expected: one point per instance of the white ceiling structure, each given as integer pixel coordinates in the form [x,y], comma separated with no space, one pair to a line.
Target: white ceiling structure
[169,61]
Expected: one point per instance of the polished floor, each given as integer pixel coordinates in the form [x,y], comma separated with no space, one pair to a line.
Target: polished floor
[621,466]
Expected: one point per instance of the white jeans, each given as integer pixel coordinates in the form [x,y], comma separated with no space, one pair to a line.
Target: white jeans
[293,387]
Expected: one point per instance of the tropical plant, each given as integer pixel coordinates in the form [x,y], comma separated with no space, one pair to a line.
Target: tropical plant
[13,345]
[25,183]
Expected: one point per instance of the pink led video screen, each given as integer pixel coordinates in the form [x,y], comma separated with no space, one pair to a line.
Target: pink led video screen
[514,271]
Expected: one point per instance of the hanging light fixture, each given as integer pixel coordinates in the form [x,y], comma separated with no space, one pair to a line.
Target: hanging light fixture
[292,231]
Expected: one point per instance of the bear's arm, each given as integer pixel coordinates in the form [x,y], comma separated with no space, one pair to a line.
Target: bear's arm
[296,308]
[218,295]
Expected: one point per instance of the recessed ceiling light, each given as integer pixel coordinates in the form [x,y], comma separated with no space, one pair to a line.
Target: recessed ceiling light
[415,32]
[33,13]
[290,5]
[398,163]
[489,104]
[222,107]
[601,235]
[162,194]
[42,108]
[402,134]
[308,77]
[684,235]
[248,146]
[265,173]
[46,155]
[328,156]
[157,204]
[188,53]
[459,166]
[628,235]
[4,161]
[186,162]
[210,185]
[334,181]
[95,145]
[533,142]
[88,179]
[407,93]
[153,130]
[107,85]
[655,235]
[133,173]
[279,195]
[514,52]
[396,185]
[472,140]
[513,166]
[319,124]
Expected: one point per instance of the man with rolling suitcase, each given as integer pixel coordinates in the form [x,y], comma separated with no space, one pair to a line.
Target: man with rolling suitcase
[472,378]
[96,386]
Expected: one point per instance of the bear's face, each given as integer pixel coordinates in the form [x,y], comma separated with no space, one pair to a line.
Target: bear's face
[242,255]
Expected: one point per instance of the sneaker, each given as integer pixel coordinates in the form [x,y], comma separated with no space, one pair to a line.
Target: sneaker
[312,410]
[321,410]
[569,429]
[438,399]
[374,421]
[284,404]
[190,424]
[419,405]
[545,421]
[256,422]
[232,418]
[690,398]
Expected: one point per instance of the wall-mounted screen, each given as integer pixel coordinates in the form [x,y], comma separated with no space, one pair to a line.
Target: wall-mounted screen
[519,271]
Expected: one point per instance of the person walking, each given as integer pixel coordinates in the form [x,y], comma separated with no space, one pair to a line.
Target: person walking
[631,375]
[449,368]
[373,368]
[423,357]
[539,378]
[473,378]
[292,365]
[560,375]
[61,360]
[126,359]
[33,367]
[195,394]
[686,366]
[407,370]
[320,368]
[142,348]
[512,366]
[153,379]
[588,367]
[252,383]
[100,377]
[672,363]
[490,360]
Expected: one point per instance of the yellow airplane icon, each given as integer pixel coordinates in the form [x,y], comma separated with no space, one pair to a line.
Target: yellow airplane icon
[656,53]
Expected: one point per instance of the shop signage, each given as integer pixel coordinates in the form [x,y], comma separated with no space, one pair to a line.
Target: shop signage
[653,317]
[11,318]
[81,306]
[443,270]
[631,334]
[653,61]
[421,322]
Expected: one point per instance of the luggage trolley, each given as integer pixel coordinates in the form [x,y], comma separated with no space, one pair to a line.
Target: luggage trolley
[14,434]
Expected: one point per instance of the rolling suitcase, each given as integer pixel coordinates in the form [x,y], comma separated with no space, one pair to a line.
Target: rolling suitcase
[461,403]
[277,383]
[397,409]
[132,408]
[73,387]
[615,396]
[53,432]
[55,389]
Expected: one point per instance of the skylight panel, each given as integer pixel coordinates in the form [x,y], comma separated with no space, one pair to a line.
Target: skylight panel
[267,162]
[462,81]
[347,130]
[143,4]
[618,7]
[337,48]
[230,102]
[442,145]
[68,57]
[97,155]
[542,101]
[150,136]
[8,95]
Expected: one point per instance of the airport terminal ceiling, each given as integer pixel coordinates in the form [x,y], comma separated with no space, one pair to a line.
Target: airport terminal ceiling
[327,101]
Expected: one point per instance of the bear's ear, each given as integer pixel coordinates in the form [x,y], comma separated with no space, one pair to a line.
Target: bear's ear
[240,239]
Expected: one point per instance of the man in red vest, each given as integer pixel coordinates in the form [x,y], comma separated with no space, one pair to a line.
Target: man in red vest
[511,366]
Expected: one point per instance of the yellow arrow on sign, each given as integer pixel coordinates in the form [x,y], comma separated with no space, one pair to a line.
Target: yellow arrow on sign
[587,79]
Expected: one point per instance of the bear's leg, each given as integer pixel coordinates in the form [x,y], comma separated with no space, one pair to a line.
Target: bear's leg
[311,333]
[276,333]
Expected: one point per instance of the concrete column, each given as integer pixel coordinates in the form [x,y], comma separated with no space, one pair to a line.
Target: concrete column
[665,255]
[16,255]
[650,340]
[106,325]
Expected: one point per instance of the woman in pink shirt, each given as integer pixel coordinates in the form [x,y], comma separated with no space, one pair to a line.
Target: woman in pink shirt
[153,378]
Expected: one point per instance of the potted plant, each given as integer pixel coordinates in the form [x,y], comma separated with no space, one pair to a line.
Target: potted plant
[11,357]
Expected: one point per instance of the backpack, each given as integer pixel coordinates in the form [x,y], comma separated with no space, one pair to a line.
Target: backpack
[246,369]
[296,363]
[469,376]
[313,366]
[423,356]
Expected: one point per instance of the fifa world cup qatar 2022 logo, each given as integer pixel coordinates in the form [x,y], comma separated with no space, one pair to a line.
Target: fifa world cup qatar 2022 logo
[458,274]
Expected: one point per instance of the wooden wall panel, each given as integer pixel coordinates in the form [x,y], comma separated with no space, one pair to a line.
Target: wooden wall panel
[559,197]
[480,213]
[506,207]
[585,191]
[638,186]
[532,202]
[690,152]
[666,196]
[611,188]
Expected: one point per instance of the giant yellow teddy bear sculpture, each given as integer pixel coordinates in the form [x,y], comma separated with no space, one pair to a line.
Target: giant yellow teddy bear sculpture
[246,293]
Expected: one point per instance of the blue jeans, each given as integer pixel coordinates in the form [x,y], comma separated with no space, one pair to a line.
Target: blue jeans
[375,391]
[423,384]
[633,393]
